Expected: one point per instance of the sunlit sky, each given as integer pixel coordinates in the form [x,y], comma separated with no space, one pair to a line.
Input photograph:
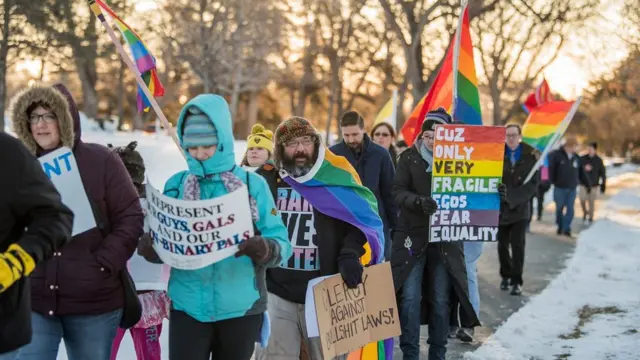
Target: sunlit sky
[568,75]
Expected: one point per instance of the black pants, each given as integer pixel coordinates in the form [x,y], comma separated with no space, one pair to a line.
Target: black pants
[223,340]
[512,237]
[542,190]
[457,316]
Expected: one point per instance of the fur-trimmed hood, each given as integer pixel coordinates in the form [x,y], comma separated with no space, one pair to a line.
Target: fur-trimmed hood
[59,100]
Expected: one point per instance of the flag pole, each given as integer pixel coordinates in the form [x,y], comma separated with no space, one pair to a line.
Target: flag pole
[125,57]
[456,55]
[394,112]
[564,125]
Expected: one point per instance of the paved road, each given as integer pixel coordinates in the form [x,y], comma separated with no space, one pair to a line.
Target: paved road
[546,254]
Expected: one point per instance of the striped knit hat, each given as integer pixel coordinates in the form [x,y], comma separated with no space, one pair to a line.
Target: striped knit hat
[198,130]
[436,117]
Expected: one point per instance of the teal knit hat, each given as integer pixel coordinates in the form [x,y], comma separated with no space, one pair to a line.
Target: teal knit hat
[198,129]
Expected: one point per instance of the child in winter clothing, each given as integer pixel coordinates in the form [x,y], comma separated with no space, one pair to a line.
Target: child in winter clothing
[219,311]
[150,279]
[259,148]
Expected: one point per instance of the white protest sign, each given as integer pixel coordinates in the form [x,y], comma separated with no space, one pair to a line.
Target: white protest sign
[190,235]
[61,167]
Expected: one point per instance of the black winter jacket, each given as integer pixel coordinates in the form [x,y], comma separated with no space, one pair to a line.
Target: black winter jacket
[565,174]
[334,238]
[376,170]
[595,170]
[32,215]
[516,207]
[412,181]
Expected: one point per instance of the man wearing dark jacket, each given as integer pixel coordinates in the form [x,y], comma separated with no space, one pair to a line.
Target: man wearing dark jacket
[519,160]
[423,271]
[566,173]
[33,224]
[374,166]
[322,245]
[596,173]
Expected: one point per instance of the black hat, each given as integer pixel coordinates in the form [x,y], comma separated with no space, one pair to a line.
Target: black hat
[435,117]
[132,161]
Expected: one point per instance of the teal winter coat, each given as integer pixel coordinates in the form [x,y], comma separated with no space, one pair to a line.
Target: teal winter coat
[233,287]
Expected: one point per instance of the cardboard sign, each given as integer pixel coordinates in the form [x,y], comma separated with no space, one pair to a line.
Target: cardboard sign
[467,169]
[349,319]
[61,167]
[190,235]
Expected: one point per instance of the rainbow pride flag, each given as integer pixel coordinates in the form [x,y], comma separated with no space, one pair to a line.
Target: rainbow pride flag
[545,122]
[144,61]
[334,188]
[455,87]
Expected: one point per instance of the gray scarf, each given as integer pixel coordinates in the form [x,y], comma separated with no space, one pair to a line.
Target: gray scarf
[425,153]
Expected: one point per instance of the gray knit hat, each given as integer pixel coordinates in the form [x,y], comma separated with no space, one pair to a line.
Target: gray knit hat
[198,129]
[439,116]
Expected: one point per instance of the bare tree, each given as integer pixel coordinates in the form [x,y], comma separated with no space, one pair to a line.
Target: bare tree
[226,43]
[15,41]
[518,41]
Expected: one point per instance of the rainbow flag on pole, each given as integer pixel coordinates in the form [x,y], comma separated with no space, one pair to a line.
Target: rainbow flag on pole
[455,87]
[145,62]
[545,126]
[334,188]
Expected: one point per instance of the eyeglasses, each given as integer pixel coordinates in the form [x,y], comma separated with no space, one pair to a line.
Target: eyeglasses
[427,136]
[48,118]
[382,134]
[292,144]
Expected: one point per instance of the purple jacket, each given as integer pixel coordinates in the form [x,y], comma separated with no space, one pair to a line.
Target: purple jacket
[83,276]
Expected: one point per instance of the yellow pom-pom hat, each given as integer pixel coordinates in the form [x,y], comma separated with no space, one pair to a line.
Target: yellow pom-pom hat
[260,138]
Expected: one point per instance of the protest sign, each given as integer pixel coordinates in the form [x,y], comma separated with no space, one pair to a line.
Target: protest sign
[349,319]
[190,235]
[467,169]
[61,167]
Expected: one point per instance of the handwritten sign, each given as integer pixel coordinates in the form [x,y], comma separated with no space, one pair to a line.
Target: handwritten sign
[349,319]
[190,235]
[61,167]
[467,169]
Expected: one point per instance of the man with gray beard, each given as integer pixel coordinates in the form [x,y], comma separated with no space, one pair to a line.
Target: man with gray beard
[322,245]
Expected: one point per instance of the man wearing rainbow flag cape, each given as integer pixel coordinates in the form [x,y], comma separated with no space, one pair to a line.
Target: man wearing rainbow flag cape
[331,218]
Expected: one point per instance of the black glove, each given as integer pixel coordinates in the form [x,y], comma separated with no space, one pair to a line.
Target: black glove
[146,250]
[350,269]
[428,205]
[602,188]
[502,191]
[588,189]
[256,248]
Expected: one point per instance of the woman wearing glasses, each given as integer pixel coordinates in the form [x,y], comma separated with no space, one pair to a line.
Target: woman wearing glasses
[384,135]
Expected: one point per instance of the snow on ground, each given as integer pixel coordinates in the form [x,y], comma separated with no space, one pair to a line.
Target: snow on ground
[592,309]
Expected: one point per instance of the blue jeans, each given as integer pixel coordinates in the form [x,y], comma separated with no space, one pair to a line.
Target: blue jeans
[85,336]
[564,198]
[410,311]
[472,252]
[439,293]
[10,355]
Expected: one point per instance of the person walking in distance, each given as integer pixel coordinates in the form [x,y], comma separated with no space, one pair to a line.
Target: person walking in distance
[33,225]
[566,173]
[374,166]
[596,172]
[519,160]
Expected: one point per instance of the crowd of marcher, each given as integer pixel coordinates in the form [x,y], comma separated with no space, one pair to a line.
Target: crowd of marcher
[57,287]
